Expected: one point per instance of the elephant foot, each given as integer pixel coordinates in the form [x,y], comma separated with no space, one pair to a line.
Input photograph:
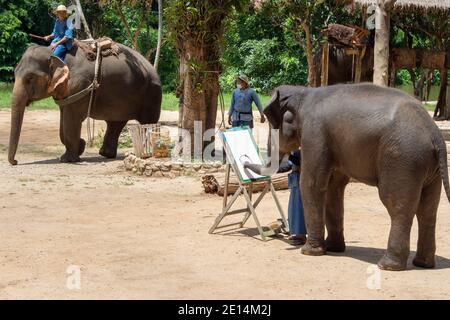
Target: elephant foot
[335,245]
[313,250]
[424,263]
[65,158]
[386,263]
[108,153]
[82,147]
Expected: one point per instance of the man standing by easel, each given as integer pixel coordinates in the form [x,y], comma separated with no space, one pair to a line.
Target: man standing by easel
[240,113]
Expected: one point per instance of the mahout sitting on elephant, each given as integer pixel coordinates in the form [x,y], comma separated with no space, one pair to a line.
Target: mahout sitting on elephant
[379,136]
[130,89]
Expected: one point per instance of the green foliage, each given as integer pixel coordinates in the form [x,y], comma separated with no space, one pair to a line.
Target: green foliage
[13,40]
[170,102]
[255,44]
[196,31]
[104,18]
[266,44]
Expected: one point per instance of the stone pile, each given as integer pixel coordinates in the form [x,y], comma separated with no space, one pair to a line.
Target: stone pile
[165,168]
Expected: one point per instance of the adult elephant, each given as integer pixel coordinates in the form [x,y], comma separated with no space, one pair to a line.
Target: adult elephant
[379,136]
[129,89]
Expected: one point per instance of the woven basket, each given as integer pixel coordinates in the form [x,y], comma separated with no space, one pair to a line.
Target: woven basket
[150,140]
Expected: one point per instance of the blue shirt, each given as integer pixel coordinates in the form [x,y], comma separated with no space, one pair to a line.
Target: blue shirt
[241,104]
[61,31]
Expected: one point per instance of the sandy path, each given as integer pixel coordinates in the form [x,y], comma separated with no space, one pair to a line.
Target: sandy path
[148,238]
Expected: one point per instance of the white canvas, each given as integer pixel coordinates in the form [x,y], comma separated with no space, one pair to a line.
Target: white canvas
[241,145]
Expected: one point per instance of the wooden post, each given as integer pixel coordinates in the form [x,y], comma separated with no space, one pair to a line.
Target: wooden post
[325,63]
[447,109]
[358,67]
[227,181]
[382,37]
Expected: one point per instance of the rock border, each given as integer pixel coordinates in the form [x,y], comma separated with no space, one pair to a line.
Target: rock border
[166,168]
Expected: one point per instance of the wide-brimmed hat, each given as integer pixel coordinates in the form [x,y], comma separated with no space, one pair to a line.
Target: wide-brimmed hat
[243,77]
[61,8]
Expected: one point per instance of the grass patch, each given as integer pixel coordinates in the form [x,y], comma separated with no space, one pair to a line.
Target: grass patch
[430,107]
[5,100]
[169,102]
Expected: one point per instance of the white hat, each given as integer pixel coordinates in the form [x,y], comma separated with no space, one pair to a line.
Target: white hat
[61,8]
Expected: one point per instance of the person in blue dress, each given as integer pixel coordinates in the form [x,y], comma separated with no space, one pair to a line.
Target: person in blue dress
[240,113]
[296,216]
[62,35]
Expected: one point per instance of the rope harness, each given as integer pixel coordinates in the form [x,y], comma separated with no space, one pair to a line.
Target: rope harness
[85,92]
[92,99]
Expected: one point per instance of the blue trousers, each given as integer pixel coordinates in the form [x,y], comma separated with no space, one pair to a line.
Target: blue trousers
[296,217]
[241,123]
[60,52]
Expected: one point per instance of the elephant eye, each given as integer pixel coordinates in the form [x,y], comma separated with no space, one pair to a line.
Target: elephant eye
[288,117]
[29,79]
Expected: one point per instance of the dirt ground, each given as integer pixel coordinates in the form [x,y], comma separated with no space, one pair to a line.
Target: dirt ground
[146,238]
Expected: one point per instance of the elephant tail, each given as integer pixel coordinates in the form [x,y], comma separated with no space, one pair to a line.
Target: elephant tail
[441,150]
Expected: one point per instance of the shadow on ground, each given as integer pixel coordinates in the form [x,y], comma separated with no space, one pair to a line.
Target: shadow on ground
[372,255]
[365,254]
[93,159]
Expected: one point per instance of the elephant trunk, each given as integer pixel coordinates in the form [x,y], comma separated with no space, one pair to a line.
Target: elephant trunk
[270,168]
[18,104]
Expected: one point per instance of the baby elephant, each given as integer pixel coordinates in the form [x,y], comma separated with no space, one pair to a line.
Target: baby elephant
[378,136]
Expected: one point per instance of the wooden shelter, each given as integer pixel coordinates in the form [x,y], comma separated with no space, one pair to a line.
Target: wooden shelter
[412,4]
[382,36]
[386,61]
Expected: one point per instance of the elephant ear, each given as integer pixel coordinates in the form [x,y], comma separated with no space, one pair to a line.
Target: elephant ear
[273,110]
[59,79]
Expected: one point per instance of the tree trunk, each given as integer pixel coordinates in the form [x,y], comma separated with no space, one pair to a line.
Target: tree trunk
[199,89]
[382,38]
[442,100]
[448,102]
[412,74]
[309,54]
[160,34]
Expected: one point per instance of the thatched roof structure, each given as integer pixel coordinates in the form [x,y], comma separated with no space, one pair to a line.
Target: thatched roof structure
[414,4]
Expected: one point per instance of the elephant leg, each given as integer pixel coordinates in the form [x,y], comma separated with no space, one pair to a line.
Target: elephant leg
[110,141]
[71,128]
[61,126]
[401,198]
[334,216]
[426,218]
[314,182]
[82,144]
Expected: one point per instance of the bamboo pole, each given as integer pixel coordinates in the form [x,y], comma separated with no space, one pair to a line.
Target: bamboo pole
[325,63]
[83,19]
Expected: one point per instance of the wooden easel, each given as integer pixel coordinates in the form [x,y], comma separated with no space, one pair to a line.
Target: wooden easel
[251,206]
